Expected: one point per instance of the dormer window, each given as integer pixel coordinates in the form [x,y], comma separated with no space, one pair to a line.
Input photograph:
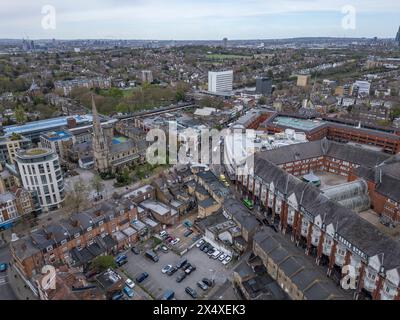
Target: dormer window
[89,229]
[49,248]
[76,235]
[101,222]
[63,242]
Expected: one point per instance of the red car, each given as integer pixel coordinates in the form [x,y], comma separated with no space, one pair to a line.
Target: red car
[169,239]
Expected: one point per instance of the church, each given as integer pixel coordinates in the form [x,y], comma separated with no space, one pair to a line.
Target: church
[111,152]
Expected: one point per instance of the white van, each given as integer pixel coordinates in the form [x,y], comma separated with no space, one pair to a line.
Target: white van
[216,254]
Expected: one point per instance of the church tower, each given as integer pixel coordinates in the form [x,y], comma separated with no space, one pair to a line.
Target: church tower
[100,145]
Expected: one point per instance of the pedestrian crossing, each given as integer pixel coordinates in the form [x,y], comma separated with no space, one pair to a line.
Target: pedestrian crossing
[3,280]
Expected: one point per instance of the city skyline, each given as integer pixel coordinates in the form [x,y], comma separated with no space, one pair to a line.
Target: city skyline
[190,20]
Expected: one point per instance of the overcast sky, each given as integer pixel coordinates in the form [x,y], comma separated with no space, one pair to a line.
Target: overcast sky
[198,19]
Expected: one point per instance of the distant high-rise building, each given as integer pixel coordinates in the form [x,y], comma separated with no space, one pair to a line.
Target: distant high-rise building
[225,42]
[220,81]
[264,86]
[147,76]
[398,37]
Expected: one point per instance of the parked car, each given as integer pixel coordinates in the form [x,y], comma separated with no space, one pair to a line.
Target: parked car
[3,267]
[163,234]
[166,268]
[202,246]
[120,263]
[169,238]
[181,263]
[190,269]
[164,249]
[143,276]
[202,285]
[200,243]
[222,257]
[135,250]
[128,291]
[206,249]
[191,292]
[117,296]
[210,252]
[175,241]
[196,237]
[121,258]
[168,295]
[216,254]
[181,276]
[188,232]
[130,283]
[171,271]
[208,282]
[227,260]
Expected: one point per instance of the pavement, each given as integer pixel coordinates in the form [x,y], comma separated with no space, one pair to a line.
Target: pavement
[6,291]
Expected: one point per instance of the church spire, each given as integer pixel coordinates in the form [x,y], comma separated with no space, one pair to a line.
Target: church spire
[99,144]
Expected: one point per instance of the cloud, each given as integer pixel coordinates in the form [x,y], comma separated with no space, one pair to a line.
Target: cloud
[91,18]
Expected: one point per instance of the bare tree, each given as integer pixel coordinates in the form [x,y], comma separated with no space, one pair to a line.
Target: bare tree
[76,198]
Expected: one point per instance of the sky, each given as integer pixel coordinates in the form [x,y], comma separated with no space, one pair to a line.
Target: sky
[197,19]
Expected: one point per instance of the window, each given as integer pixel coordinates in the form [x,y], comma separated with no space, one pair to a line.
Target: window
[49,248]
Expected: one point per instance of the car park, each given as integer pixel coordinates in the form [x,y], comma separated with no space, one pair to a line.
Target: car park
[208,282]
[135,250]
[227,260]
[202,285]
[128,291]
[191,292]
[198,244]
[130,283]
[181,276]
[143,276]
[166,268]
[222,257]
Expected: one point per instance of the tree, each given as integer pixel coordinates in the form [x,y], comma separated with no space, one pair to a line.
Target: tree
[20,115]
[262,100]
[97,184]
[76,198]
[102,263]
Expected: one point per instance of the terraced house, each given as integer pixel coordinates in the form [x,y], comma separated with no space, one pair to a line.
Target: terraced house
[78,240]
[333,234]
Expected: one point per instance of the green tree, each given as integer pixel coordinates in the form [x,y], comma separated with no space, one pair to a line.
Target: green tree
[20,115]
[262,100]
[102,263]
[97,184]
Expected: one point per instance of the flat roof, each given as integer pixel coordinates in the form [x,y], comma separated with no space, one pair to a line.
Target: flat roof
[296,123]
[47,124]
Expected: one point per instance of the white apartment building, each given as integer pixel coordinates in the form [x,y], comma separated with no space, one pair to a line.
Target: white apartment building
[40,171]
[220,81]
[361,88]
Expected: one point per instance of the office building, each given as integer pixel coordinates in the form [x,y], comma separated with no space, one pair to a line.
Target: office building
[264,86]
[40,171]
[220,81]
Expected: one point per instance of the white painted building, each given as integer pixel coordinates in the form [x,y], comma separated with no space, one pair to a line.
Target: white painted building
[220,81]
[40,171]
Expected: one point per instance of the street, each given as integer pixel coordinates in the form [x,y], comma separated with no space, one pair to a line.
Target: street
[6,292]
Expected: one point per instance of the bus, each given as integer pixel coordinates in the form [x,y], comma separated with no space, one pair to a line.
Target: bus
[248,203]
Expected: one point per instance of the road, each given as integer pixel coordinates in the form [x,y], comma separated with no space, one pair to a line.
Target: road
[6,292]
